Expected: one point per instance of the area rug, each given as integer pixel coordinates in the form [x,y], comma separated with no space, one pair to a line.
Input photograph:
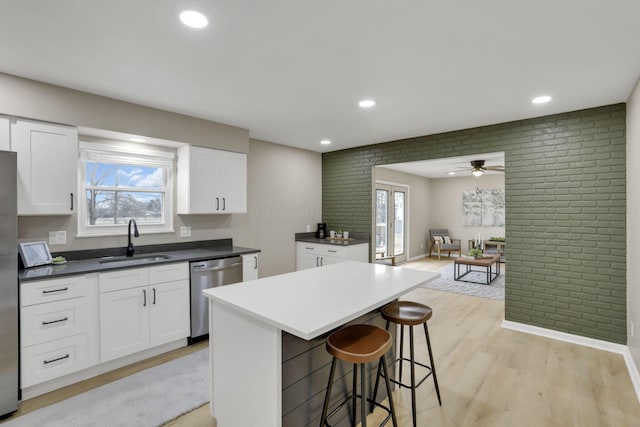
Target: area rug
[495,290]
[148,398]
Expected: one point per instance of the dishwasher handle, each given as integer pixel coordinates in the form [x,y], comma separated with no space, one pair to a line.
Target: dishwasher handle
[218,268]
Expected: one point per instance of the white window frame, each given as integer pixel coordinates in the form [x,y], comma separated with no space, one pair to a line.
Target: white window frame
[127,154]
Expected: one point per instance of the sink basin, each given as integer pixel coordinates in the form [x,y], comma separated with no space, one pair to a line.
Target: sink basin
[134,260]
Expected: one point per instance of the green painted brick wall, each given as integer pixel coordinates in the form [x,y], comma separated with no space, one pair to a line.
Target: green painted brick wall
[565,185]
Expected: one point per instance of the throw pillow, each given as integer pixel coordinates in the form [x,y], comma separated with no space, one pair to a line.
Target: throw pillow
[446,240]
[437,239]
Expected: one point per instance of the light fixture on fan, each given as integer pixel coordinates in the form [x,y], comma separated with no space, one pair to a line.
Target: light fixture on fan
[478,167]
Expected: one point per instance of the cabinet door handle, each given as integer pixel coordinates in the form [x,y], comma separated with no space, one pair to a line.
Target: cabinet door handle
[55,321]
[321,261]
[46,362]
[255,259]
[54,291]
[71,194]
[144,298]
[332,251]
[224,203]
[154,296]
[309,249]
[217,203]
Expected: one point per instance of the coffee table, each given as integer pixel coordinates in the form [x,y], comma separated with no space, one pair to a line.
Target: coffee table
[486,262]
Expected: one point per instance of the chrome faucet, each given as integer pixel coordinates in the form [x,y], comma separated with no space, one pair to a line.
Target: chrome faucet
[130,249]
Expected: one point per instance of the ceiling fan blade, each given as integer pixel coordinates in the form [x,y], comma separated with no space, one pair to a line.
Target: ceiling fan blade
[495,168]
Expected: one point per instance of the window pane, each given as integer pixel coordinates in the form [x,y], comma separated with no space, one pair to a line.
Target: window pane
[382,197]
[117,175]
[117,207]
[398,225]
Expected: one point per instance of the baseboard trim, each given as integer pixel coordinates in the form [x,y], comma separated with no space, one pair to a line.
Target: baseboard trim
[623,350]
[417,257]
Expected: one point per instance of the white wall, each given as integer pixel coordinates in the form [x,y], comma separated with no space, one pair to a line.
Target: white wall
[633,223]
[446,206]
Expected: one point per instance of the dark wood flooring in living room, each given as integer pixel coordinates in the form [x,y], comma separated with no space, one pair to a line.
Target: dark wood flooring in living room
[488,376]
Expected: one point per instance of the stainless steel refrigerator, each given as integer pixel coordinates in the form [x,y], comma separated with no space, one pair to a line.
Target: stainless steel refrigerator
[9,346]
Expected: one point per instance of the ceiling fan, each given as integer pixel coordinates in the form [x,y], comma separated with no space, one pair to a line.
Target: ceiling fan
[478,168]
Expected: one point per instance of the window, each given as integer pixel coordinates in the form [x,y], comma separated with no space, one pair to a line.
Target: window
[121,181]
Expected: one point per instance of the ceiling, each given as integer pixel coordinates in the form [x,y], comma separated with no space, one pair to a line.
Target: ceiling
[293,71]
[440,168]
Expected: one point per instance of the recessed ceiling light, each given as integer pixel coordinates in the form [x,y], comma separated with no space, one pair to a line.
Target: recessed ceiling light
[451,173]
[137,139]
[367,103]
[194,19]
[325,142]
[541,99]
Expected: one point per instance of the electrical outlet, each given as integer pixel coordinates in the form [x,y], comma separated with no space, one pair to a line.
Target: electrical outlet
[308,228]
[185,231]
[58,237]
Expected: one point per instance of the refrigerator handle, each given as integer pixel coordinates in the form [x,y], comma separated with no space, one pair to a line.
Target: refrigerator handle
[71,194]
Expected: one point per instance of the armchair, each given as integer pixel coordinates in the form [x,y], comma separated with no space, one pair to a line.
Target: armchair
[440,240]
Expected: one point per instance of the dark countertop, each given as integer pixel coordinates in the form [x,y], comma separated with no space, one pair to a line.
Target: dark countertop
[83,262]
[356,239]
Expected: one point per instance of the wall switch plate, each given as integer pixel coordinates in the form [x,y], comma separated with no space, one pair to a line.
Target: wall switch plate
[185,231]
[58,237]
[308,228]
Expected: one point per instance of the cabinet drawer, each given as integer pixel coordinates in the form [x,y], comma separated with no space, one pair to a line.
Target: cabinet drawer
[333,250]
[50,360]
[168,273]
[123,279]
[321,250]
[42,291]
[47,322]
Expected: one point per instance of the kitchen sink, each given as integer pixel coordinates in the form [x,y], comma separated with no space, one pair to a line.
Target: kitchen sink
[134,260]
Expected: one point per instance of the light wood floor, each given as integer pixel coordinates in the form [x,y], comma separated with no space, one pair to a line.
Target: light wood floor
[488,376]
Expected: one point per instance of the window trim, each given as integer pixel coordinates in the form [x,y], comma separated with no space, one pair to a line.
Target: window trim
[130,154]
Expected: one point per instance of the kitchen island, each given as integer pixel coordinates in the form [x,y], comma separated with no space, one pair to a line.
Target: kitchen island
[255,326]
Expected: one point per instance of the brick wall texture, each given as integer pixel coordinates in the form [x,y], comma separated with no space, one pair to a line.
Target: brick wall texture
[565,185]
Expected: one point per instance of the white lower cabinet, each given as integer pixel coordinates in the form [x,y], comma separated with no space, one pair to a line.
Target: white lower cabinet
[250,266]
[58,327]
[310,255]
[143,308]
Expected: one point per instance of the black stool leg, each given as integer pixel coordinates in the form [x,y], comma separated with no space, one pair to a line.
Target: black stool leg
[401,351]
[433,366]
[375,387]
[413,375]
[363,391]
[327,396]
[354,400]
[383,360]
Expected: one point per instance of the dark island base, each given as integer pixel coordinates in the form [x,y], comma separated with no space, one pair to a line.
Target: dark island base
[305,372]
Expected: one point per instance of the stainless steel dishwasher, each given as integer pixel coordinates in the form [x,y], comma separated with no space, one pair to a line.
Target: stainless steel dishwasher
[204,275]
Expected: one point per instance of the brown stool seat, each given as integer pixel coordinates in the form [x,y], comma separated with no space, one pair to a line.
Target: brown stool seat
[359,343]
[406,313]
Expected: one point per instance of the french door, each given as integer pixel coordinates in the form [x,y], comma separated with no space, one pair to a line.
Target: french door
[391,221]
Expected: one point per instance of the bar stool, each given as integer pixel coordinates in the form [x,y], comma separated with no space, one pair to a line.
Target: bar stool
[359,344]
[409,313]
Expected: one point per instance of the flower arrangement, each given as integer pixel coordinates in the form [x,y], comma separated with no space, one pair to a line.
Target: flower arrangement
[475,252]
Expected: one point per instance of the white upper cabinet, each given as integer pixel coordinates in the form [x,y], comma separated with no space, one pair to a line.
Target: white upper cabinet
[211,181]
[47,167]
[5,134]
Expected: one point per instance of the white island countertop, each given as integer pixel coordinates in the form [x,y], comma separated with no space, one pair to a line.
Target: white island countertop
[311,302]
